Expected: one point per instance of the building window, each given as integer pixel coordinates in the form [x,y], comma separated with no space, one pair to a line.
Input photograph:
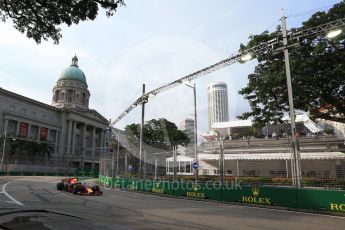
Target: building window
[23,111]
[62,96]
[34,114]
[12,126]
[69,95]
[13,108]
[43,116]
[56,96]
[83,99]
[34,132]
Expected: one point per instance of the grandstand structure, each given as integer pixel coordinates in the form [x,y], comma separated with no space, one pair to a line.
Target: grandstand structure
[321,157]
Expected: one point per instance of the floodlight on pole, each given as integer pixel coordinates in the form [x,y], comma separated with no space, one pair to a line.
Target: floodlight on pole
[295,153]
[185,82]
[246,57]
[333,33]
[196,172]
[3,151]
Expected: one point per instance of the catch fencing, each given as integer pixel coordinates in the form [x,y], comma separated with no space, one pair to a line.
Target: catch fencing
[253,161]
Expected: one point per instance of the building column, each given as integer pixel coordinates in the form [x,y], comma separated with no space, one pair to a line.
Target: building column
[5,126]
[38,134]
[101,146]
[83,145]
[74,129]
[93,141]
[56,141]
[69,137]
[17,128]
[48,135]
[29,132]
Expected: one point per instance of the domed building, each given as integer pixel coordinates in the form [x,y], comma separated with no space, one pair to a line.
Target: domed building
[71,90]
[75,133]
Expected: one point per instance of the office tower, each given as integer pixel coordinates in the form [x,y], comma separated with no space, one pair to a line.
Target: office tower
[218,110]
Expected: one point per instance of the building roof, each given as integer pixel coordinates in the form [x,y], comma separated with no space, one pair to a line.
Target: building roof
[180,158]
[274,156]
[12,94]
[73,72]
[232,124]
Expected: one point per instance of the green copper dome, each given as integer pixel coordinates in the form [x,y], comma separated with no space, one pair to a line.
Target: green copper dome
[73,72]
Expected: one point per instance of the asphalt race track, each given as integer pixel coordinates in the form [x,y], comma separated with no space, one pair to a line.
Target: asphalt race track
[34,203]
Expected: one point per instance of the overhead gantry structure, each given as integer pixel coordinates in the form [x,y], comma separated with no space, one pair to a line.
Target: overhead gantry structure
[274,45]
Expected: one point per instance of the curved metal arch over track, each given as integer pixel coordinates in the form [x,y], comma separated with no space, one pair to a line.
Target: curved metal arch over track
[274,45]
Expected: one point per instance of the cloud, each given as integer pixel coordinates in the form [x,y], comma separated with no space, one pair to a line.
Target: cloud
[158,61]
[13,39]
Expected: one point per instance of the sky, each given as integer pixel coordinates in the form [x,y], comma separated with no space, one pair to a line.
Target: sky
[152,42]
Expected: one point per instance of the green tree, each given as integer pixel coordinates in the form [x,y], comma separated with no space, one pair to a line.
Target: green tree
[35,149]
[159,133]
[12,144]
[317,68]
[45,150]
[40,19]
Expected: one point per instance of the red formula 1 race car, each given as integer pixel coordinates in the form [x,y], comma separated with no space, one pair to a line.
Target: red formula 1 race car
[84,189]
[72,185]
[66,183]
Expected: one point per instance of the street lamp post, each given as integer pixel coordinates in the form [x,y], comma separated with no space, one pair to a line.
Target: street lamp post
[196,171]
[221,163]
[174,163]
[3,152]
[141,134]
[195,135]
[117,154]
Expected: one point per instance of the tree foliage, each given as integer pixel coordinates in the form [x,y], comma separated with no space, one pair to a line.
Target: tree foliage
[19,149]
[317,69]
[40,19]
[159,133]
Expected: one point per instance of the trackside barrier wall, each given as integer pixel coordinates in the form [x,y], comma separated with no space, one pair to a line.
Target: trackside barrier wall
[284,197]
[199,191]
[321,200]
[328,200]
[80,173]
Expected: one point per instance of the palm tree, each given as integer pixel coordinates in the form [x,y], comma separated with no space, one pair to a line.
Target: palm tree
[40,149]
[44,150]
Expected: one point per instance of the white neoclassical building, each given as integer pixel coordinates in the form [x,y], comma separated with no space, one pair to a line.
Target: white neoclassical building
[76,133]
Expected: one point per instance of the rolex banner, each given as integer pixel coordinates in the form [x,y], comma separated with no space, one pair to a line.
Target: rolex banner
[43,134]
[330,200]
[23,129]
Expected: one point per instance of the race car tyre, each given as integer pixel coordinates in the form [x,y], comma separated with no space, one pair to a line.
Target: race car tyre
[75,191]
[59,186]
[95,188]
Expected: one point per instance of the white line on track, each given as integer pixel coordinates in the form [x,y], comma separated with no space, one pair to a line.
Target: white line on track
[3,190]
